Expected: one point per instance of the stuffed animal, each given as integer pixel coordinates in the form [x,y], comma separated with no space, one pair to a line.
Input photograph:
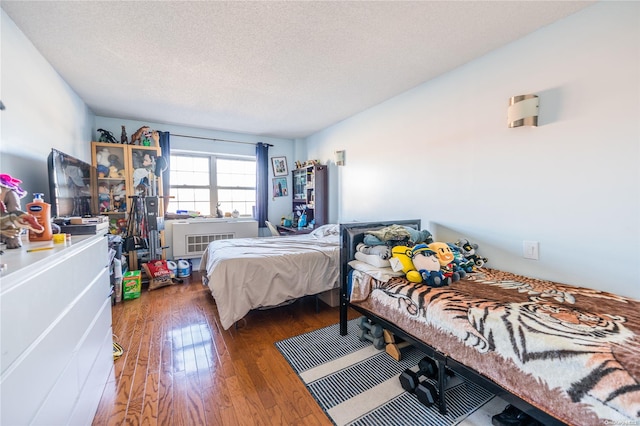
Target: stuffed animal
[401,261]
[119,194]
[459,260]
[445,256]
[381,251]
[104,197]
[142,165]
[10,195]
[103,163]
[114,160]
[468,250]
[428,265]
[114,173]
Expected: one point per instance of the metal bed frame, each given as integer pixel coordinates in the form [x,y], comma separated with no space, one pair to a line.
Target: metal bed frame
[353,233]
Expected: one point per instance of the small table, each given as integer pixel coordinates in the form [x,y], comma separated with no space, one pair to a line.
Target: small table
[285,230]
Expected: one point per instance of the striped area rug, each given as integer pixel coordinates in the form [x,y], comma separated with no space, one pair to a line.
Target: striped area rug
[356,384]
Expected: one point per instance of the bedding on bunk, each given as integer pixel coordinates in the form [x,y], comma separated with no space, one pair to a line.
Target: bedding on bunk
[572,352]
[250,273]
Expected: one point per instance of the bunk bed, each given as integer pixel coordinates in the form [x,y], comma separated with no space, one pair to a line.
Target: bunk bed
[562,354]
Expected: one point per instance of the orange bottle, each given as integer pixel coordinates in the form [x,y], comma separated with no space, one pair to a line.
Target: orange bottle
[42,212]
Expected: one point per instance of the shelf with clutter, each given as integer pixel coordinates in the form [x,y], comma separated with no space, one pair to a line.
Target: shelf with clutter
[128,185]
[310,194]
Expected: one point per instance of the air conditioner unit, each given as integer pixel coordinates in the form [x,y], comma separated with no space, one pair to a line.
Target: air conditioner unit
[190,238]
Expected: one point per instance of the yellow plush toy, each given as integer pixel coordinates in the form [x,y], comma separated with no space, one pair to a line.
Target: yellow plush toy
[401,261]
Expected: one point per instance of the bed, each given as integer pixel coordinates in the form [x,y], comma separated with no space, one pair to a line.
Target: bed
[563,354]
[251,273]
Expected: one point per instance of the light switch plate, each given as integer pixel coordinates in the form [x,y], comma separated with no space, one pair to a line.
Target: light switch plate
[530,250]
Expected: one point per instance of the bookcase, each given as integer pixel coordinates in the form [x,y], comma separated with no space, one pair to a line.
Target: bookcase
[122,173]
[310,194]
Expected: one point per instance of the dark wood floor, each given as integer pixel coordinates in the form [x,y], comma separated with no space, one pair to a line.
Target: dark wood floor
[181,368]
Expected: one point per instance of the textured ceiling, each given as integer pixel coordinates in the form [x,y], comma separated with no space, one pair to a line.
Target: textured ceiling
[282,69]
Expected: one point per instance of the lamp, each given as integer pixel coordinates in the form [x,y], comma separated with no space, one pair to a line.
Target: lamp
[523,111]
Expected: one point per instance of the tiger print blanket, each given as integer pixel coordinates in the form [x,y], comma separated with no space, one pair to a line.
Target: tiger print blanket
[570,351]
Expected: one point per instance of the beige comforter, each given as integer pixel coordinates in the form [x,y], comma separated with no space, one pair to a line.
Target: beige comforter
[249,273]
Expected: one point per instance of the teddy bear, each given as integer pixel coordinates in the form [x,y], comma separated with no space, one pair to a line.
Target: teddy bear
[114,173]
[445,256]
[103,163]
[428,265]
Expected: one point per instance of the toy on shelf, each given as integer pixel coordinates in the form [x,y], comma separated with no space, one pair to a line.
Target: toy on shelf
[123,136]
[144,165]
[114,173]
[104,197]
[12,219]
[119,195]
[136,138]
[102,158]
[114,161]
[106,136]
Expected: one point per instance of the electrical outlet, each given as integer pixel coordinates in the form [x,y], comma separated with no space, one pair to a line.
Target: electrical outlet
[530,250]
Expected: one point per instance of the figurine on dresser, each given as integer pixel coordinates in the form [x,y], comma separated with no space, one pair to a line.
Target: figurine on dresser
[12,219]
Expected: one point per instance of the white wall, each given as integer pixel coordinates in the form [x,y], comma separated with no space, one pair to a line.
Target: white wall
[442,152]
[42,112]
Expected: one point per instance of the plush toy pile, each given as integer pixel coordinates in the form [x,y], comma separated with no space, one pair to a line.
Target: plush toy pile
[415,254]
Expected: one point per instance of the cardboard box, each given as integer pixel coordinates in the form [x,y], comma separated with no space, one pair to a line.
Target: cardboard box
[131,284]
[330,297]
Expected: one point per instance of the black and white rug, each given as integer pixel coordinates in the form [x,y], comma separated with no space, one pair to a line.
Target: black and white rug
[356,384]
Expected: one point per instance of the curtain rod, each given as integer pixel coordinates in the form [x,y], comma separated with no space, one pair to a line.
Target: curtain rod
[218,140]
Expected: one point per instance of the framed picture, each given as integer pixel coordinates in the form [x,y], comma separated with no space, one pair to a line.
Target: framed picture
[279,166]
[280,187]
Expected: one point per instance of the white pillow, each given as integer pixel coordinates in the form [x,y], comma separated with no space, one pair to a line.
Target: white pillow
[326,230]
[373,260]
[381,274]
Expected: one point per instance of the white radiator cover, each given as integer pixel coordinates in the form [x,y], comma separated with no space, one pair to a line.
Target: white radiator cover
[191,237]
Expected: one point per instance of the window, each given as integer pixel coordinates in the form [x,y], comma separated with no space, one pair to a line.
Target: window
[201,182]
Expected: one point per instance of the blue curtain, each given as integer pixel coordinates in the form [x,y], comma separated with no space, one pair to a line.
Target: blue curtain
[165,146]
[262,183]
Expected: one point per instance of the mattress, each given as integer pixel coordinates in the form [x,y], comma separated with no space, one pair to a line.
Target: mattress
[250,273]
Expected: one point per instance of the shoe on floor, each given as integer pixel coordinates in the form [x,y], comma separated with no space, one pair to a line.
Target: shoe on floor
[512,416]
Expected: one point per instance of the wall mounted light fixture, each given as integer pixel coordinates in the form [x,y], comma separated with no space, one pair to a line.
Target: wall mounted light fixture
[523,111]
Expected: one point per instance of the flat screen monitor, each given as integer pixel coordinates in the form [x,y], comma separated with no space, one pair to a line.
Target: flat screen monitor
[69,185]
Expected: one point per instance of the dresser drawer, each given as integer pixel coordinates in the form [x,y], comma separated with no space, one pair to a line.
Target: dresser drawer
[36,303]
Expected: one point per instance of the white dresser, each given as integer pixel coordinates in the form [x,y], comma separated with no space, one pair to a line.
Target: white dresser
[55,332]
